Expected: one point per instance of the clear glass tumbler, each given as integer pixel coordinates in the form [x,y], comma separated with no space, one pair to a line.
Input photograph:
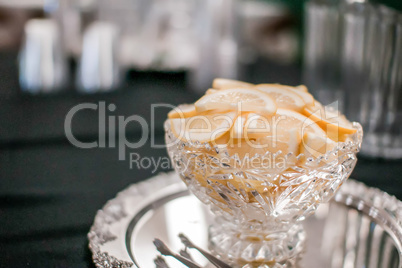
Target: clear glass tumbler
[353,55]
[380,93]
[42,62]
[321,50]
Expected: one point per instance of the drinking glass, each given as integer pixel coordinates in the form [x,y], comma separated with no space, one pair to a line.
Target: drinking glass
[380,93]
[42,63]
[353,55]
[99,69]
[321,54]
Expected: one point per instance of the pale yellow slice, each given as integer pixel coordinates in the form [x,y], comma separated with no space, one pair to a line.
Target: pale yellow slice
[238,99]
[284,97]
[315,145]
[222,83]
[183,111]
[238,127]
[257,126]
[307,97]
[211,91]
[202,128]
[333,123]
[302,88]
[282,131]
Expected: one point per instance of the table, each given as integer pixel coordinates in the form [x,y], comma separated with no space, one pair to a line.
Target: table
[51,190]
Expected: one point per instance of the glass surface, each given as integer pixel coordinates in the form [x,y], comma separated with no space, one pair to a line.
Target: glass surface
[42,63]
[99,69]
[339,235]
[353,55]
[321,54]
[360,228]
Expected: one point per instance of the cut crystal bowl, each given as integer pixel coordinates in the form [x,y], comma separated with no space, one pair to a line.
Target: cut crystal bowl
[259,200]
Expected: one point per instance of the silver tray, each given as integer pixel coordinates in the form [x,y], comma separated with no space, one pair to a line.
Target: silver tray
[360,227]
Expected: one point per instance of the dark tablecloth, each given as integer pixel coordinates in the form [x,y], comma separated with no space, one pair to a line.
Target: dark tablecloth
[51,190]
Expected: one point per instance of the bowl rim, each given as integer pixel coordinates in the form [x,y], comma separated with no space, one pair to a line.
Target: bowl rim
[351,145]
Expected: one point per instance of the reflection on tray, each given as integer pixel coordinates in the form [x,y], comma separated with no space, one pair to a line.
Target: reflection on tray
[361,227]
[348,238]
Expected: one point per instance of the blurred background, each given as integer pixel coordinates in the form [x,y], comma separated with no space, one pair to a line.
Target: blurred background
[56,54]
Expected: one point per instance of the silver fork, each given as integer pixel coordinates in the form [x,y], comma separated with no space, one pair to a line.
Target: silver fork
[217,262]
[164,250]
[186,254]
[160,262]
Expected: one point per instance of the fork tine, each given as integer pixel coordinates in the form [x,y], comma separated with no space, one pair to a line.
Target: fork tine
[160,262]
[164,250]
[186,254]
[161,247]
[186,241]
[214,260]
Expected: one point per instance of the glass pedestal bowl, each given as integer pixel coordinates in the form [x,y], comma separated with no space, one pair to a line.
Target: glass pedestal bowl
[259,200]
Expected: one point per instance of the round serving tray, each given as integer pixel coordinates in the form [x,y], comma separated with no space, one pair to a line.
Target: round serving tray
[360,227]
